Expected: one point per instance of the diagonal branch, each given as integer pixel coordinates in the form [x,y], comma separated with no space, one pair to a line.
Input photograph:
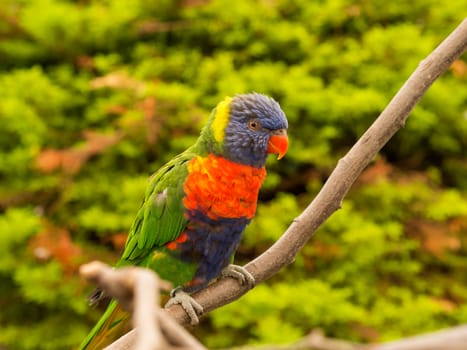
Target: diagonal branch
[348,169]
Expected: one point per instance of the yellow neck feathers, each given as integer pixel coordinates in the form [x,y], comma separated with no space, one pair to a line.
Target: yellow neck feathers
[221,119]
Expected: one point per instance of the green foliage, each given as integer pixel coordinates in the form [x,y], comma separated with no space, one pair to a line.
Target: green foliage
[24,224]
[282,313]
[449,204]
[97,94]
[36,298]
[263,231]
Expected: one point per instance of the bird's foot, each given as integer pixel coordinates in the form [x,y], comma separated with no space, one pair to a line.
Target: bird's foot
[190,305]
[240,274]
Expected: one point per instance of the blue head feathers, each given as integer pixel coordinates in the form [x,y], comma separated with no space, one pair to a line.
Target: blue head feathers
[254,118]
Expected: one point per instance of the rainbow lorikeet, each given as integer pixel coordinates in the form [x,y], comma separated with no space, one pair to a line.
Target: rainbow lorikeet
[197,206]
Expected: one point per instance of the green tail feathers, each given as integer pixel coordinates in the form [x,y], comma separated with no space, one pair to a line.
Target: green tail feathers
[107,328]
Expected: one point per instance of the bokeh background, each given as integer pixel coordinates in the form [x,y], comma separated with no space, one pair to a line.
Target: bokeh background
[95,95]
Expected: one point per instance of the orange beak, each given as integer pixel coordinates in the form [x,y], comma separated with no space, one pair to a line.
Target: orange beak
[278,143]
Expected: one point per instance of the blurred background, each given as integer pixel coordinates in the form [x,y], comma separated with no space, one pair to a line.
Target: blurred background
[95,95]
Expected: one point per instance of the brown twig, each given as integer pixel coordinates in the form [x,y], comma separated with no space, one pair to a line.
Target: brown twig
[117,283]
[348,169]
[146,307]
[137,290]
[453,339]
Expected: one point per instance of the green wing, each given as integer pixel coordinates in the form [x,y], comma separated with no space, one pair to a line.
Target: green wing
[160,219]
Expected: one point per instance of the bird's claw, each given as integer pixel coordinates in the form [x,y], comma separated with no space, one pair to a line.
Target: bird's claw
[240,274]
[190,305]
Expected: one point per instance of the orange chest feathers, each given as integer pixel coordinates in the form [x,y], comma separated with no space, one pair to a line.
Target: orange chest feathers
[220,188]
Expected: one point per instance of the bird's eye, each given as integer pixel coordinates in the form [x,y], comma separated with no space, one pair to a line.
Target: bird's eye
[253,125]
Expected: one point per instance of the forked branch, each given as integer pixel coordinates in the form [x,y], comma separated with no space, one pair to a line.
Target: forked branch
[138,291]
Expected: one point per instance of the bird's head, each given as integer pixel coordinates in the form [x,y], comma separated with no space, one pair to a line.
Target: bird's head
[246,128]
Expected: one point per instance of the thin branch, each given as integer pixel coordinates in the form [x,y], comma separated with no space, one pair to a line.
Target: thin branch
[333,192]
[146,307]
[116,282]
[316,340]
[137,290]
[453,339]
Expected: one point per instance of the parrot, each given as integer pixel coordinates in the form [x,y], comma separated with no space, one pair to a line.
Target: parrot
[197,206]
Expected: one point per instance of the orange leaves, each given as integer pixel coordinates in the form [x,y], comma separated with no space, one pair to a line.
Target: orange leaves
[145,122]
[459,69]
[97,143]
[435,237]
[117,240]
[151,123]
[85,62]
[71,160]
[380,169]
[56,243]
[117,80]
[434,218]
[137,116]
[50,160]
